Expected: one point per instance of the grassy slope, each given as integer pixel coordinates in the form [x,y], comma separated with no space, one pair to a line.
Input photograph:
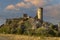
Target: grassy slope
[24,37]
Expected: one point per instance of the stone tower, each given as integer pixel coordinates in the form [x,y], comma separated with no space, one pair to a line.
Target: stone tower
[40,14]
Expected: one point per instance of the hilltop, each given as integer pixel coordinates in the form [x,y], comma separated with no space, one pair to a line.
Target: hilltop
[28,26]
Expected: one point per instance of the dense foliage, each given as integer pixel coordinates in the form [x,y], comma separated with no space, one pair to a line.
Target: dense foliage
[14,27]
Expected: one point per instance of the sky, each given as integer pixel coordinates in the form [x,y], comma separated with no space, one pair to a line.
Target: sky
[16,8]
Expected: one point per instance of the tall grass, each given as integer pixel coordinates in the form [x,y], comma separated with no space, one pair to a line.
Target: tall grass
[24,37]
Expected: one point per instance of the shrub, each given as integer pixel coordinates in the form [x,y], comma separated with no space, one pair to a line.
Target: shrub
[19,30]
[5,29]
[29,32]
[41,32]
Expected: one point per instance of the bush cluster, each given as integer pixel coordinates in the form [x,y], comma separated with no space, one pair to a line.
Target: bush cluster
[26,29]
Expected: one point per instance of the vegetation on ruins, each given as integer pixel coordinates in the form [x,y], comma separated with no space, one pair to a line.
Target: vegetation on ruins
[28,27]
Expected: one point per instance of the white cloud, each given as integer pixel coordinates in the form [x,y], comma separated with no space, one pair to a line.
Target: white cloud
[27,4]
[50,10]
[10,7]
[40,3]
[22,4]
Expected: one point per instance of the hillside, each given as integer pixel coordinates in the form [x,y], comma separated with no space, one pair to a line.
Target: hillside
[29,26]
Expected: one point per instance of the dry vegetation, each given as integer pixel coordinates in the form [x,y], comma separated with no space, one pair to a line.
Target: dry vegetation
[24,37]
